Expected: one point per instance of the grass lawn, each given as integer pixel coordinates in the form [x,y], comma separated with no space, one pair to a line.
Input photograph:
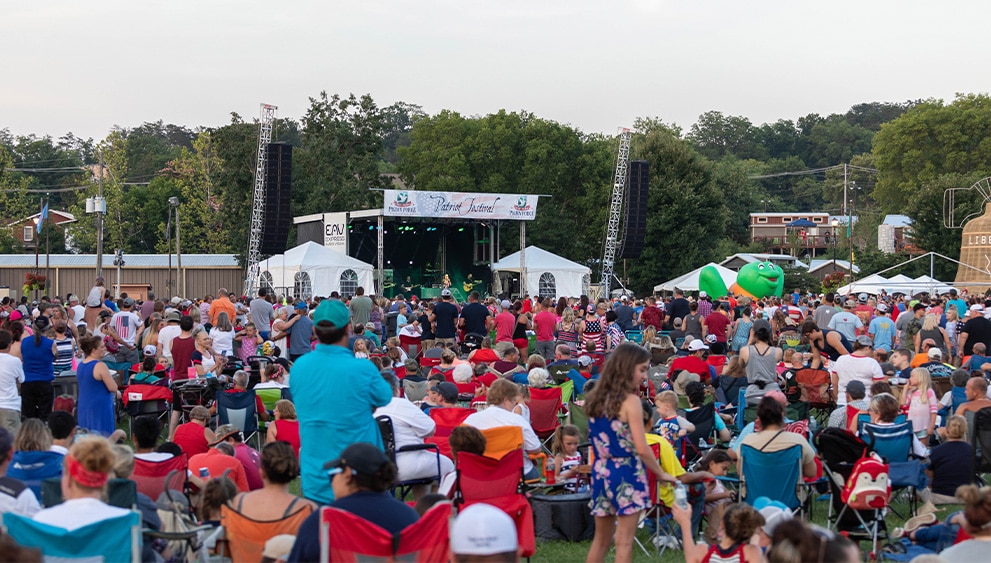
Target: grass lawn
[559,551]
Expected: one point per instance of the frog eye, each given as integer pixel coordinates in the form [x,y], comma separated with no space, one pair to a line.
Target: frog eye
[760,266]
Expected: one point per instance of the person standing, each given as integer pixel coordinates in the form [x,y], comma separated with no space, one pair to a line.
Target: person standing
[882,330]
[444,318]
[129,328]
[825,312]
[300,332]
[652,315]
[11,378]
[97,389]
[261,313]
[845,322]
[360,307]
[475,317]
[625,314]
[544,323]
[38,353]
[976,329]
[147,306]
[335,395]
[94,304]
[222,303]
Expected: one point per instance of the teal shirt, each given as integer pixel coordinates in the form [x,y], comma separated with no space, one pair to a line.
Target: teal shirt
[334,394]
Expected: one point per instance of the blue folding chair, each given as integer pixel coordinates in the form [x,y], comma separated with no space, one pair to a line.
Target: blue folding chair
[240,410]
[865,418]
[894,443]
[775,475]
[114,539]
[33,467]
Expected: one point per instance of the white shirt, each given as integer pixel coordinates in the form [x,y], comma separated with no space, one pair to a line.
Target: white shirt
[78,314]
[76,513]
[223,341]
[24,504]
[850,367]
[126,324]
[154,456]
[494,416]
[165,337]
[59,449]
[11,373]
[410,425]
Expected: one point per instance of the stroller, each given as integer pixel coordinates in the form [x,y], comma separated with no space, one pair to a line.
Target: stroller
[841,451]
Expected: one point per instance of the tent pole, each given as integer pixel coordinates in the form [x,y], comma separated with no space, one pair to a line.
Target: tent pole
[381,255]
[523,284]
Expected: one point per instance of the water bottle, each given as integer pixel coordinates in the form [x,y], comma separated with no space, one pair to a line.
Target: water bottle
[681,495]
[549,471]
[204,474]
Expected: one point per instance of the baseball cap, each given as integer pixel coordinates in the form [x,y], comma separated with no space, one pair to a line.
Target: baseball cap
[505,304]
[278,547]
[703,294]
[224,431]
[445,292]
[624,298]
[585,361]
[918,306]
[128,302]
[332,311]
[864,340]
[862,297]
[696,345]
[175,300]
[935,353]
[301,305]
[16,315]
[975,307]
[774,513]
[856,389]
[882,307]
[362,457]
[173,316]
[150,350]
[482,529]
[710,339]
[447,390]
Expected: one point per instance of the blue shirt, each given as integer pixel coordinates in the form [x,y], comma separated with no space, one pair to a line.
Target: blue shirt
[335,394]
[882,330]
[38,360]
[299,336]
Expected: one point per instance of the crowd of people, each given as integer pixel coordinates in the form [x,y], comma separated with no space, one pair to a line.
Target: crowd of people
[642,371]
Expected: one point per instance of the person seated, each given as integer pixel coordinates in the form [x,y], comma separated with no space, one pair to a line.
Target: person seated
[977,523]
[410,427]
[856,402]
[62,425]
[442,395]
[148,373]
[285,428]
[949,462]
[956,396]
[771,414]
[249,457]
[935,364]
[361,478]
[123,469]
[739,524]
[194,437]
[883,409]
[484,353]
[273,377]
[15,495]
[979,360]
[464,379]
[977,396]
[537,378]
[483,532]
[87,468]
[218,492]
[670,425]
[33,460]
[240,380]
[695,392]
[145,431]
[447,359]
[510,362]
[463,439]
[502,400]
[693,362]
[269,504]
[217,461]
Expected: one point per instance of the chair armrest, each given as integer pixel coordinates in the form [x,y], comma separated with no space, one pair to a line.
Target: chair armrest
[418,447]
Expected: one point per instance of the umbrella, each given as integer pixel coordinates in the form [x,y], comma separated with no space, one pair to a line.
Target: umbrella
[801,223]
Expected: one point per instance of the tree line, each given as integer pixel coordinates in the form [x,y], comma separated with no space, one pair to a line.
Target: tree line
[704,181]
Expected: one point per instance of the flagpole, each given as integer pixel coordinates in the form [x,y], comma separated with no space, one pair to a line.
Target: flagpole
[37,243]
[48,252]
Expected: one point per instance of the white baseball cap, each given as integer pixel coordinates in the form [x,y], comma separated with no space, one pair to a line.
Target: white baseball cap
[482,529]
[696,345]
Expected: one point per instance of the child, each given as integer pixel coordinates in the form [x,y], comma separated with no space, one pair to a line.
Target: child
[249,340]
[717,497]
[789,385]
[147,374]
[922,403]
[566,456]
[670,426]
[522,407]
[361,348]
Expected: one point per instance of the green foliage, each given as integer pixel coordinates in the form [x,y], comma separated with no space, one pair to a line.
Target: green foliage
[799,278]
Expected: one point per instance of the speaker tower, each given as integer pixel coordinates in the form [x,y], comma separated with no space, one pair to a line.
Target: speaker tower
[635,213]
[278,193]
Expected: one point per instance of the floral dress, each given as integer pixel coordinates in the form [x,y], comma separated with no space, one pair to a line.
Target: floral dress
[619,480]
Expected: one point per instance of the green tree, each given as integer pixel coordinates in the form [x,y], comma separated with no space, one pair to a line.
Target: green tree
[716,135]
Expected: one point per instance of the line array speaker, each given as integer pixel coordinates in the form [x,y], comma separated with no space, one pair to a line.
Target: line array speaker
[278,194]
[635,213]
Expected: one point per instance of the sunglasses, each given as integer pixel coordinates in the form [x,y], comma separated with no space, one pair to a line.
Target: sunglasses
[338,470]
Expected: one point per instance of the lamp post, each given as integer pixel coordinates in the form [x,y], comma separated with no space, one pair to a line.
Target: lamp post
[835,223]
[119,262]
[174,206]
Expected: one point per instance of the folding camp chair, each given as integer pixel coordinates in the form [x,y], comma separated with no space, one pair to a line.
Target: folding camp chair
[345,537]
[559,372]
[980,439]
[500,440]
[815,386]
[664,525]
[567,391]
[544,405]
[246,536]
[446,419]
[894,444]
[142,399]
[239,409]
[700,440]
[497,482]
[270,396]
[122,493]
[154,477]
[414,390]
[113,539]
[775,475]
[578,417]
[402,488]
[33,467]
[410,345]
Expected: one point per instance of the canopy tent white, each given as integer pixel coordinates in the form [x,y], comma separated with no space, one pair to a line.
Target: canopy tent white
[875,283]
[313,269]
[547,274]
[690,281]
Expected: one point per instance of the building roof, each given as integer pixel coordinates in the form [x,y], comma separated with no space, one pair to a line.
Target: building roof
[897,221]
[750,257]
[130,260]
[788,213]
[841,264]
[68,217]
[842,219]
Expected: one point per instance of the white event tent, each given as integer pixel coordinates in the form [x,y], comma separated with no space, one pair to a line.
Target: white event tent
[547,274]
[312,269]
[874,283]
[690,281]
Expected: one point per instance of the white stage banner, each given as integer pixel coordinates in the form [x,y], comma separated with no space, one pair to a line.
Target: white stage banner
[460,205]
[335,231]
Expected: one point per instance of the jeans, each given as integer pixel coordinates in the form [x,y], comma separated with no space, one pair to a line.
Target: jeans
[546,349]
[938,536]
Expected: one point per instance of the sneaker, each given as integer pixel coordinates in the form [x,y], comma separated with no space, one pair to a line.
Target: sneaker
[914,523]
[927,508]
[897,533]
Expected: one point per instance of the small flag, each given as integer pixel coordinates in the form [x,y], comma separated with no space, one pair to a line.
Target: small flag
[44,215]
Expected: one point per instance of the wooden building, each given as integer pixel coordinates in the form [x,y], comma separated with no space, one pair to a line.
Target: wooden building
[201,274]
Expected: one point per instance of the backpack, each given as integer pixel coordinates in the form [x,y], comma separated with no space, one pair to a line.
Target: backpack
[64,403]
[868,486]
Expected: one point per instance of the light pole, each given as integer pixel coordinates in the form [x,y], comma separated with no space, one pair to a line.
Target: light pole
[835,223]
[174,205]
[119,262]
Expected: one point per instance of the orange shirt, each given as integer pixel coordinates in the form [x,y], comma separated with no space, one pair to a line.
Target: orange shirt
[222,304]
[217,463]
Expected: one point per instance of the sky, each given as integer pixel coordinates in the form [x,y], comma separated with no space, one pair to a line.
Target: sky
[85,67]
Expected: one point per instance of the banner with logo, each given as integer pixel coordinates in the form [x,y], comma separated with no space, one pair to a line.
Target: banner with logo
[460,205]
[335,231]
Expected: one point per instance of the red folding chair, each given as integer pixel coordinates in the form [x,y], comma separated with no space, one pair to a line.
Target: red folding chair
[411,345]
[153,477]
[544,406]
[497,482]
[346,538]
[446,420]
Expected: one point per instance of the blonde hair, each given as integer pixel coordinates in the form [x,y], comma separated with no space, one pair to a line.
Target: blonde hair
[925,383]
[669,398]
[286,409]
[33,436]
[930,322]
[952,314]
[94,454]
[568,315]
[124,461]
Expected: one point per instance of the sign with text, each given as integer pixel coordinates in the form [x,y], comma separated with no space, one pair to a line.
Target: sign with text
[460,205]
[335,232]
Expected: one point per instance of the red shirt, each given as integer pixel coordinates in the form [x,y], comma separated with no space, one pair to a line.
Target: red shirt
[191,437]
[544,322]
[505,323]
[716,324]
[217,463]
[288,431]
[182,357]
[652,316]
[693,364]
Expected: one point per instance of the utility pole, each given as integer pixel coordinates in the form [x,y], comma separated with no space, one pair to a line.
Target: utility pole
[99,223]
